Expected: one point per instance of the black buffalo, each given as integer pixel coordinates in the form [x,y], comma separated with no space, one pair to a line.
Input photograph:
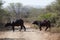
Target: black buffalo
[8,24]
[19,22]
[44,23]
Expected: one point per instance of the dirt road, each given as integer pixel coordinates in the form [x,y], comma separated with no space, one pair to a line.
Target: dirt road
[30,34]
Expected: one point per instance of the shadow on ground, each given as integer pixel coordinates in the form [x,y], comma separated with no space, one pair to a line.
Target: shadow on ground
[12,39]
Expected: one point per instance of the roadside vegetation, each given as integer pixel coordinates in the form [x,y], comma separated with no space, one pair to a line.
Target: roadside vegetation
[16,10]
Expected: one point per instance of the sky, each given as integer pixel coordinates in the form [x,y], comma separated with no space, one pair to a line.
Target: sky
[32,3]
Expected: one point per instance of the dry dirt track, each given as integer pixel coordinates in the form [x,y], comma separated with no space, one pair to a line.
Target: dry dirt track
[30,34]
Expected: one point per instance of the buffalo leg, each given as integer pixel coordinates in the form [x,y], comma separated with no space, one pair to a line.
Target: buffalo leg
[13,28]
[21,28]
[49,28]
[24,28]
[40,28]
[46,28]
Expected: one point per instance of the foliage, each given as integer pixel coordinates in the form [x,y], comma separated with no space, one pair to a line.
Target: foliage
[48,16]
[17,10]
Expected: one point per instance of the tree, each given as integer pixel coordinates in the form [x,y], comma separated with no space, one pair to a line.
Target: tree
[14,8]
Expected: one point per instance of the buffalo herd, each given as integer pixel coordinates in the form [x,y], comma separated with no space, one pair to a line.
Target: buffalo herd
[20,22]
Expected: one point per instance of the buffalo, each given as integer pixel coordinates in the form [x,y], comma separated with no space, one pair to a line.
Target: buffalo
[19,22]
[44,23]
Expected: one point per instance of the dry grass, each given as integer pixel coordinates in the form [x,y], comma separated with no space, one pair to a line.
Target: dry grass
[55,30]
